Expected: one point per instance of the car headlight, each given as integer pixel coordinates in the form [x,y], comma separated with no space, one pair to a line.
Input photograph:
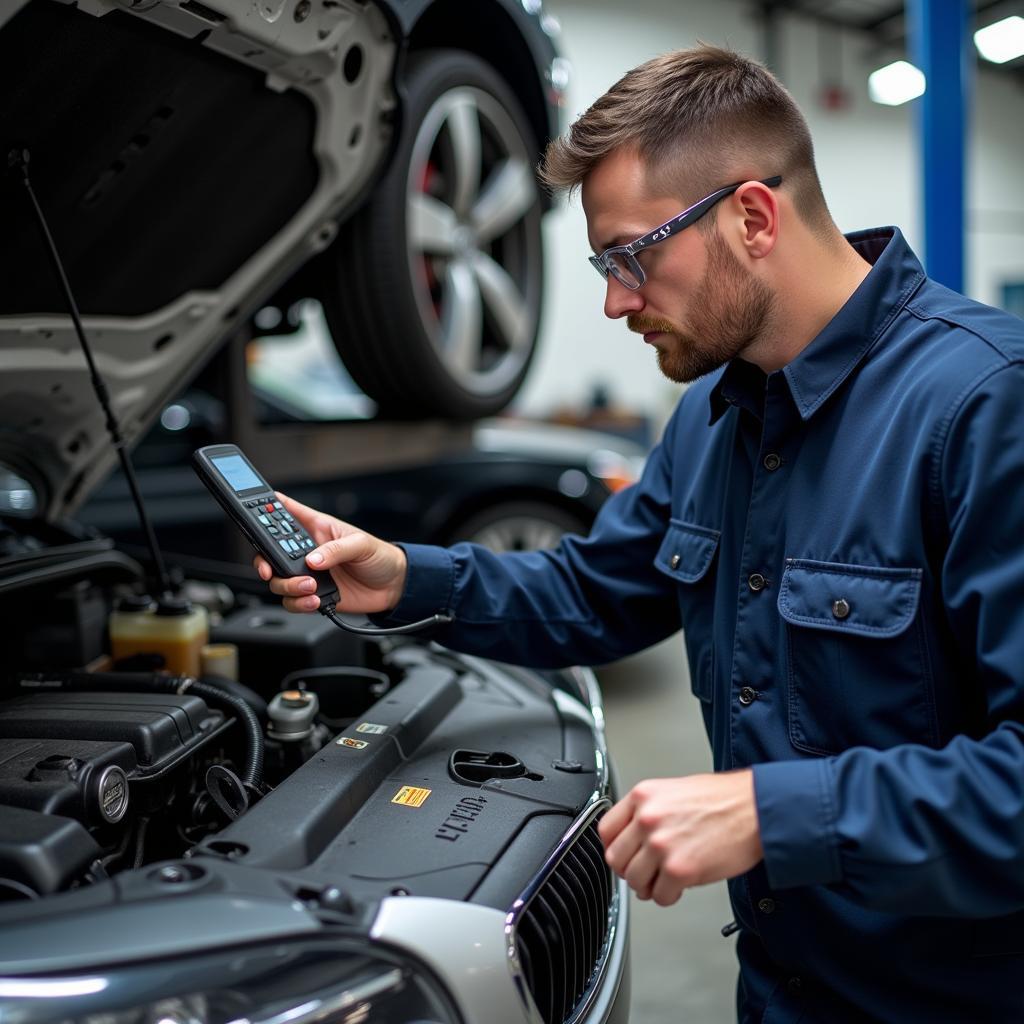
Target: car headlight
[303,982]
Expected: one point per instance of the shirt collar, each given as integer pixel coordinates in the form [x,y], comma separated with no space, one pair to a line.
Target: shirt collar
[740,384]
[829,359]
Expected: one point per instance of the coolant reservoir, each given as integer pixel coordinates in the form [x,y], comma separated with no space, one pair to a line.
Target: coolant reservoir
[172,627]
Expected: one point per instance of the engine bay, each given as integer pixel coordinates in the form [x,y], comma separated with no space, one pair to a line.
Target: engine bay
[383,766]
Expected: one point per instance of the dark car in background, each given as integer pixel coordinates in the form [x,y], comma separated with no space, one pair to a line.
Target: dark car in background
[355,829]
[510,484]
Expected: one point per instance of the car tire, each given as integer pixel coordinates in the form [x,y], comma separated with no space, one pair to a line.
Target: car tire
[519,526]
[433,289]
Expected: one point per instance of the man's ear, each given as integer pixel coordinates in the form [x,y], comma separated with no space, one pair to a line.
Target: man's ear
[756,208]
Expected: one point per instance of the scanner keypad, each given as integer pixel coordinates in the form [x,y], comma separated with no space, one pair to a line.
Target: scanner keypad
[280,526]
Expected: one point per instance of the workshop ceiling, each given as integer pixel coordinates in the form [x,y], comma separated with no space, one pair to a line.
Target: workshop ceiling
[886,20]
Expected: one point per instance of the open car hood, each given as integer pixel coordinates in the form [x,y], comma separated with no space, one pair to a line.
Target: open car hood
[186,158]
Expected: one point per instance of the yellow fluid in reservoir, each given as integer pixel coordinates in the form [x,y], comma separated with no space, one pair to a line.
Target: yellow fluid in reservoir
[176,629]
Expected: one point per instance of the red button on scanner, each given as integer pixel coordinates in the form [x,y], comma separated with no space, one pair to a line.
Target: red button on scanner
[269,506]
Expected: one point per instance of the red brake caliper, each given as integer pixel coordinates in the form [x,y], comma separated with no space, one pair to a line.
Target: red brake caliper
[433,285]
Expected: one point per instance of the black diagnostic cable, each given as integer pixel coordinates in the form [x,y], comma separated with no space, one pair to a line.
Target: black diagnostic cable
[17,162]
[327,609]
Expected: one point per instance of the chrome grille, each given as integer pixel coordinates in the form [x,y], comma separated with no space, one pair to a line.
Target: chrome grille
[562,933]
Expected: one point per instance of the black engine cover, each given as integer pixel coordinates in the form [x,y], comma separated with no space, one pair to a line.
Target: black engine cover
[379,810]
[76,761]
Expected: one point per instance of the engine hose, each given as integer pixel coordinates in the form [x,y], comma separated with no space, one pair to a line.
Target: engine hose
[252,773]
[251,697]
[152,682]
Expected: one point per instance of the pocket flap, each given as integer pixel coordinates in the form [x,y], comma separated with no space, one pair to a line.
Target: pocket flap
[687,551]
[849,598]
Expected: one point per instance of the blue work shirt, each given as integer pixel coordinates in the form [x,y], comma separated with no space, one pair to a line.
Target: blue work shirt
[843,543]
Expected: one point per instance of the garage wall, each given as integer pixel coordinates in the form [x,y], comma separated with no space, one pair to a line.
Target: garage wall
[866,157]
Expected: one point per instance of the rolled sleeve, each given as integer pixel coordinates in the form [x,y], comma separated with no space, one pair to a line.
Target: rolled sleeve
[796,811]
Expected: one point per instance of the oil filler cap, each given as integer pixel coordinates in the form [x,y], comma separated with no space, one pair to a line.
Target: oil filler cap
[479,766]
[112,793]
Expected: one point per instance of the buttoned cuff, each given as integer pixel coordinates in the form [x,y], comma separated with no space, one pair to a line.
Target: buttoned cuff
[796,809]
[429,584]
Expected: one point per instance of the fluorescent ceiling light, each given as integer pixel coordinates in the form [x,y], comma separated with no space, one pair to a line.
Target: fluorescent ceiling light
[896,83]
[1002,41]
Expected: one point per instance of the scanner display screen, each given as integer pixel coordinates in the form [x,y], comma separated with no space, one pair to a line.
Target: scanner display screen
[238,473]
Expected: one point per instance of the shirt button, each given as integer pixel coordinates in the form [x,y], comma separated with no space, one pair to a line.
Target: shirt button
[841,608]
[767,905]
[748,695]
[757,582]
[772,462]
[674,562]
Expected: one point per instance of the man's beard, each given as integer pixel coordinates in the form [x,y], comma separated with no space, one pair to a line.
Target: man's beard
[729,312]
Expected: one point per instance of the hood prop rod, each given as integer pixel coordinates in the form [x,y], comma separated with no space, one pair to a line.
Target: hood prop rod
[17,162]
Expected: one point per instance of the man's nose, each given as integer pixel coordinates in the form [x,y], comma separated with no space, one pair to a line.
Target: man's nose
[620,301]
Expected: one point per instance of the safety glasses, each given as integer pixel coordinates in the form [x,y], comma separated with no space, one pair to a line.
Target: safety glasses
[620,260]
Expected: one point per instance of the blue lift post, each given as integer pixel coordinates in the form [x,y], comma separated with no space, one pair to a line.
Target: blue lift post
[942,47]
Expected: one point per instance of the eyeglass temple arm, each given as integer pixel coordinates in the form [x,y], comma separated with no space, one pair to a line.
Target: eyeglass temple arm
[693,213]
[699,207]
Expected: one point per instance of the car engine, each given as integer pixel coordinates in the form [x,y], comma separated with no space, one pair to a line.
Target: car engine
[386,764]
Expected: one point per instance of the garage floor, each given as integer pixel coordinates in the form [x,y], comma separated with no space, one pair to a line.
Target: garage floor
[683,970]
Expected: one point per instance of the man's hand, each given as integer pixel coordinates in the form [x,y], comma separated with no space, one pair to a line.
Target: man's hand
[370,573]
[667,835]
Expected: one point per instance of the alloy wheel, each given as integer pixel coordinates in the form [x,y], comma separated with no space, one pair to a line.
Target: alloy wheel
[471,191]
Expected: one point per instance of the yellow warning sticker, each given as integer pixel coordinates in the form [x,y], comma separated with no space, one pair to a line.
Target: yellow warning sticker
[371,727]
[347,741]
[411,796]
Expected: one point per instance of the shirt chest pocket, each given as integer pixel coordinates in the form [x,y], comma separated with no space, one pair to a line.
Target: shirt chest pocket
[687,555]
[857,671]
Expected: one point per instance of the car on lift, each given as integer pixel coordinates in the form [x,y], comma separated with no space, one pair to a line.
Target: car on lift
[194,156]
[356,828]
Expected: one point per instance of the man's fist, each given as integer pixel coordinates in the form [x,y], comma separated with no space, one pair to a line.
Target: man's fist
[666,835]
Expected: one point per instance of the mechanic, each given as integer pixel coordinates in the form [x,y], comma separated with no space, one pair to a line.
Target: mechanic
[833,518]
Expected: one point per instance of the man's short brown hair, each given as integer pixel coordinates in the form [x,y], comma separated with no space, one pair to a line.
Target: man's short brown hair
[698,119]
